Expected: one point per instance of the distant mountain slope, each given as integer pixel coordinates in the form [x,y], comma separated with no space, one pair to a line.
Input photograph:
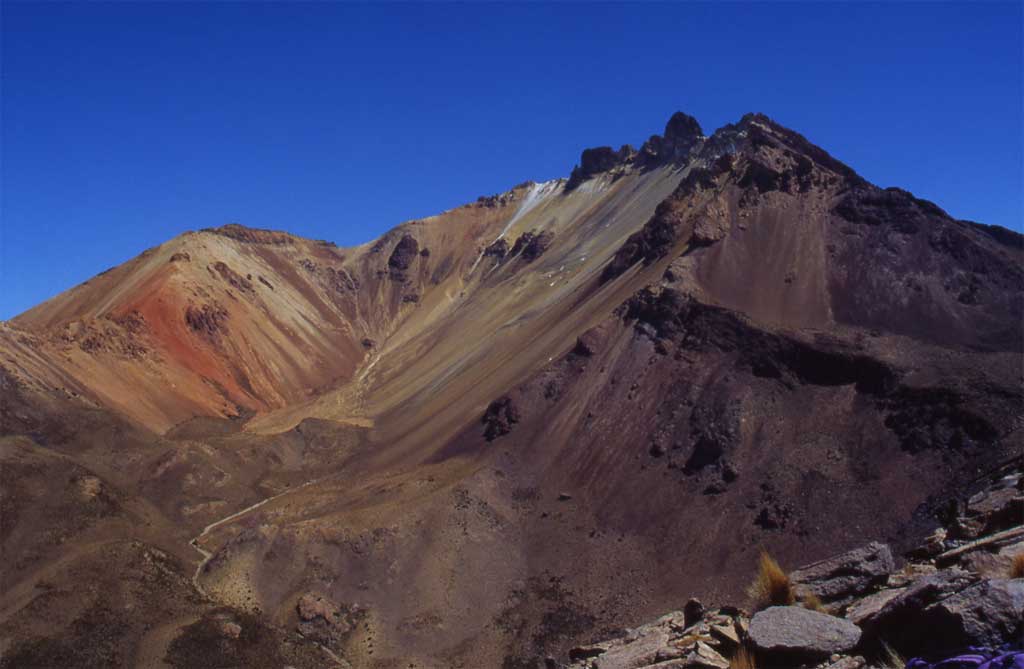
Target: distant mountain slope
[490,433]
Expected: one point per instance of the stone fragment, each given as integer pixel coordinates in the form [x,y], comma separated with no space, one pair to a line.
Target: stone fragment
[726,635]
[870,606]
[639,653]
[706,656]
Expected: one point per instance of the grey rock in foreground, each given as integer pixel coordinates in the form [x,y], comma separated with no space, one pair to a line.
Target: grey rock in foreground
[792,632]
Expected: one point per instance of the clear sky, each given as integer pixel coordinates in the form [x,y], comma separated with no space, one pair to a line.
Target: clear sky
[126,124]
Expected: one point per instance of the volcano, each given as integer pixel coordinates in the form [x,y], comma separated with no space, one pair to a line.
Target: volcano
[494,434]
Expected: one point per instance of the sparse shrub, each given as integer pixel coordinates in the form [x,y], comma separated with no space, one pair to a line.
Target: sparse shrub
[1017,566]
[772,586]
[743,659]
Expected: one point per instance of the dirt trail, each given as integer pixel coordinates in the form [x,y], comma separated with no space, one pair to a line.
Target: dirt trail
[207,555]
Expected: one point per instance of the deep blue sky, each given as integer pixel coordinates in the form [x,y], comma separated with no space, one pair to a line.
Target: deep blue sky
[126,124]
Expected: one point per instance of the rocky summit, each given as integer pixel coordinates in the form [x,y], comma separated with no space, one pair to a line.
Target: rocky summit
[558,426]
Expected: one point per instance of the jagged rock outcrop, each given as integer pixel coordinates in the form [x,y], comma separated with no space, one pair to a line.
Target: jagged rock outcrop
[682,134]
[206,319]
[596,161]
[402,257]
[839,579]
[531,245]
[499,418]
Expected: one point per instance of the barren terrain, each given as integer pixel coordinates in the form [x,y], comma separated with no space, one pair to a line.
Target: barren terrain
[505,430]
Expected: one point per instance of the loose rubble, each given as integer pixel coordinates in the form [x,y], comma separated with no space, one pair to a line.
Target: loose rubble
[950,594]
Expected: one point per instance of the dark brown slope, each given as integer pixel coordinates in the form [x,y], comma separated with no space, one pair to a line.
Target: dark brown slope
[821,361]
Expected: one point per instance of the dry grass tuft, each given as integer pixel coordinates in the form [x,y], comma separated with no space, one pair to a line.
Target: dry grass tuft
[813,602]
[1017,566]
[890,659]
[772,586]
[743,659]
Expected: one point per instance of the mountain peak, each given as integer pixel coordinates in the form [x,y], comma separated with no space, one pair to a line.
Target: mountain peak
[761,130]
[682,134]
[683,139]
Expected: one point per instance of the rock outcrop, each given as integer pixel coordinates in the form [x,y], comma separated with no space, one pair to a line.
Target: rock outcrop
[323,620]
[668,643]
[682,136]
[402,257]
[531,245]
[839,579]
[596,161]
[499,418]
[871,605]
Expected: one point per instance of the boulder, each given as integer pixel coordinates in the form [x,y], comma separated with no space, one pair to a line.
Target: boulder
[989,614]
[839,579]
[901,622]
[793,633]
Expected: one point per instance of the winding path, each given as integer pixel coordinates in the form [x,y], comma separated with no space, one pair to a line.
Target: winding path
[207,555]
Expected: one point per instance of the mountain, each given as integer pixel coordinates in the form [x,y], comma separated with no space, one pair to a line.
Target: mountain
[498,432]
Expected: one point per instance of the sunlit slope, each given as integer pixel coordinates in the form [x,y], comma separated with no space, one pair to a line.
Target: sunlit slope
[224,322]
[506,315]
[235,321]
